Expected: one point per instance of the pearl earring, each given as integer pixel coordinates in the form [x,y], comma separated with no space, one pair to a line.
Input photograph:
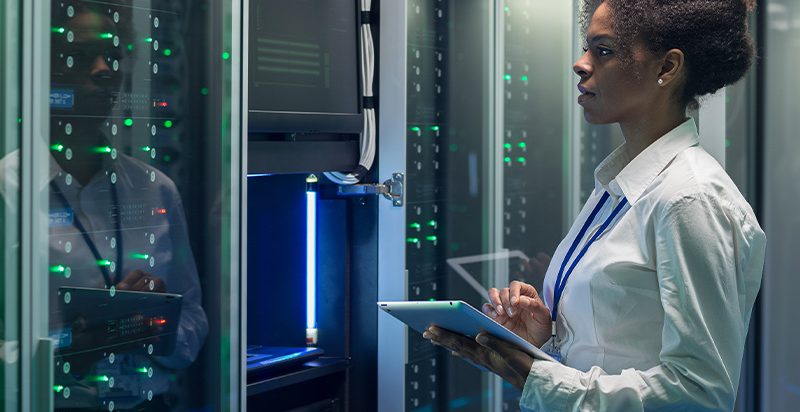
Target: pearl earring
[660,82]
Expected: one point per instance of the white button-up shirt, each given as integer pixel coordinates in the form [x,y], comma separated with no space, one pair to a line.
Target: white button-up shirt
[656,313]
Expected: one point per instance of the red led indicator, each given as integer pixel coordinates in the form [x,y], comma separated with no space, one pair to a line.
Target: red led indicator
[161,211]
[160,104]
[158,321]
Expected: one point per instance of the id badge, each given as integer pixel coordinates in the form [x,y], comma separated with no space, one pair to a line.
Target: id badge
[552,350]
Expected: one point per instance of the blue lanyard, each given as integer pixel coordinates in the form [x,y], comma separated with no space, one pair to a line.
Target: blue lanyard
[561,280]
[89,242]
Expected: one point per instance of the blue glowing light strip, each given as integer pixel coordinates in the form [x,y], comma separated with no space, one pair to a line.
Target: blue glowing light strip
[311,259]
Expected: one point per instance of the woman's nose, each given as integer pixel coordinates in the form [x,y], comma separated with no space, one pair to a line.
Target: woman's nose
[582,67]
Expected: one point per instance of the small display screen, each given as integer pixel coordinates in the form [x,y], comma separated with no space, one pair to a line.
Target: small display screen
[303,57]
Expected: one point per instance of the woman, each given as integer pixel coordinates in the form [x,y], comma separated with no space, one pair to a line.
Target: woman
[648,298]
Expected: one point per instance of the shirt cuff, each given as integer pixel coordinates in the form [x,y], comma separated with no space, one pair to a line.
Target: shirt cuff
[550,386]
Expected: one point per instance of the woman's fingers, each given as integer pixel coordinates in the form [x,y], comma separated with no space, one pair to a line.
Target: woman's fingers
[505,299]
[495,301]
[512,364]
[518,289]
[527,290]
[536,308]
[454,342]
[489,311]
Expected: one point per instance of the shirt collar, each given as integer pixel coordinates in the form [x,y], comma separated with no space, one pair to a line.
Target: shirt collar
[622,176]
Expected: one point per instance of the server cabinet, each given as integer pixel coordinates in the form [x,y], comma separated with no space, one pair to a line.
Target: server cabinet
[483,123]
[132,170]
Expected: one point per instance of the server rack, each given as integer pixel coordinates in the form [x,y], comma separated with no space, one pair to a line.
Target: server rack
[131,156]
[468,99]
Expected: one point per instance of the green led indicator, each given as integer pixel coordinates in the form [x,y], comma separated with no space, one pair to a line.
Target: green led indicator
[59,30]
[104,262]
[412,240]
[521,159]
[415,129]
[128,122]
[167,52]
[58,147]
[204,91]
[57,269]
[19,120]
[435,128]
[415,225]
[507,77]
[507,146]
[453,147]
[167,158]
[431,300]
[167,123]
[522,145]
[130,46]
[524,79]
[102,149]
[507,9]
[143,369]
[106,35]
[142,256]
[432,223]
[148,39]
[58,388]
[226,55]
[98,378]
[728,143]
[145,148]
[507,159]
[432,238]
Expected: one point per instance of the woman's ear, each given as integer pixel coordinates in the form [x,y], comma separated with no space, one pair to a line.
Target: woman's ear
[672,67]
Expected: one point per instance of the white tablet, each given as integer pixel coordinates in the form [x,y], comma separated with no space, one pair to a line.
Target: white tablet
[456,316]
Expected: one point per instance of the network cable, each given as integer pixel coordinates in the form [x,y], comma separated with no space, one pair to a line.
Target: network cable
[367,138]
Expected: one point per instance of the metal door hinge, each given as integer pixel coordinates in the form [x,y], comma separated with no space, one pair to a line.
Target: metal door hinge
[391,189]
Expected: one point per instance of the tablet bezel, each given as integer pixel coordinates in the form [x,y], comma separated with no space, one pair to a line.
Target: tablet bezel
[457,316]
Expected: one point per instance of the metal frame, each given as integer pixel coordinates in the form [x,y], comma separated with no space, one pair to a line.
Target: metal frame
[10,100]
[572,175]
[496,188]
[392,276]
[237,317]
[36,347]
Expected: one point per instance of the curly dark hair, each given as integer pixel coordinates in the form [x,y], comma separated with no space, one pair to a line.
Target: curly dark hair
[713,35]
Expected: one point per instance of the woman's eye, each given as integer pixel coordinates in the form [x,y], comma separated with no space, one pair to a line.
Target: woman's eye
[602,52]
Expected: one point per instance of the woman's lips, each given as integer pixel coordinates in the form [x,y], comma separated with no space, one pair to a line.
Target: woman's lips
[585,97]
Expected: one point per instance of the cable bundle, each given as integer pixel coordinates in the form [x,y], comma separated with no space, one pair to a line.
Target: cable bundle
[367,138]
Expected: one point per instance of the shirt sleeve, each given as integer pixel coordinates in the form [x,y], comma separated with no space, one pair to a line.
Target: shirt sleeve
[709,258]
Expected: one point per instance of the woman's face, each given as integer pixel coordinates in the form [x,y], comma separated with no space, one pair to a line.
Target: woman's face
[610,91]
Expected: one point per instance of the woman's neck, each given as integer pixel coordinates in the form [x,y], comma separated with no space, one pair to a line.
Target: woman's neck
[643,131]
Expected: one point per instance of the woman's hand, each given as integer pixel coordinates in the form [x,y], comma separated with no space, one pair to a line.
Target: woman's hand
[486,352]
[519,308]
[137,280]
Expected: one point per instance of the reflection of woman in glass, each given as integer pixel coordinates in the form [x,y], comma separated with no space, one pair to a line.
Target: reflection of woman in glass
[648,298]
[115,223]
